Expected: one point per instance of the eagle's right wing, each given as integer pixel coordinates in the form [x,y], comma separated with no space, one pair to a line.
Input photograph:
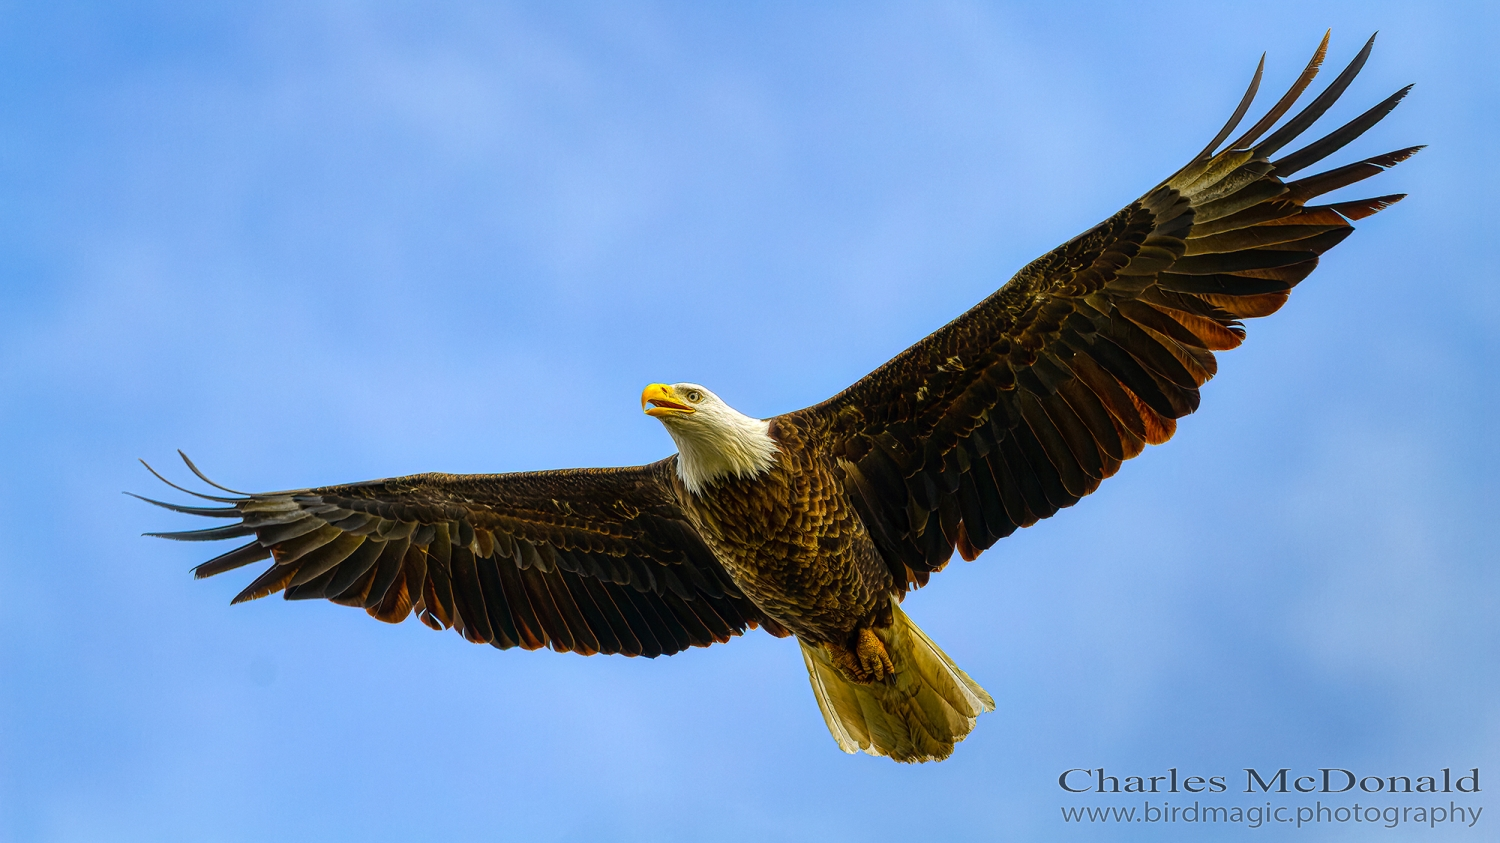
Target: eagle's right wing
[1020,406]
[583,560]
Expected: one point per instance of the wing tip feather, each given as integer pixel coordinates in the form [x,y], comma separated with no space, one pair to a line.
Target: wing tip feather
[1358,209]
[201,476]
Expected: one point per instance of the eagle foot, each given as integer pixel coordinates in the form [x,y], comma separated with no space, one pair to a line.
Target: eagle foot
[867,662]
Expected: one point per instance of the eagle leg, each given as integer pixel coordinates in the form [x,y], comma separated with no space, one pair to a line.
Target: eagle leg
[866,662]
[872,655]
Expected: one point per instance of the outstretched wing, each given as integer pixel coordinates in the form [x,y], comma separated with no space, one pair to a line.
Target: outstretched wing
[1020,406]
[586,560]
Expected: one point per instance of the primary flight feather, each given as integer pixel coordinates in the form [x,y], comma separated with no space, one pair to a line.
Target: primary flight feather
[816,523]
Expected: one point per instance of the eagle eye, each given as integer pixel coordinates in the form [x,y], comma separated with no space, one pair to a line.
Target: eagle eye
[694,396]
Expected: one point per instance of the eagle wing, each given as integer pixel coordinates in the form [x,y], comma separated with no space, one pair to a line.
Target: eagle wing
[584,560]
[1020,406]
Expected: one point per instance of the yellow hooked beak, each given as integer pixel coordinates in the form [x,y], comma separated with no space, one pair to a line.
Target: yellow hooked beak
[661,400]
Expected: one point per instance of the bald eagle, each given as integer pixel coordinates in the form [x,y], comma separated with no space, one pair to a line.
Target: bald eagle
[817,523]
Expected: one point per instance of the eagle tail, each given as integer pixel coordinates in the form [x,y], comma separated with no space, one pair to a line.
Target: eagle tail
[918,713]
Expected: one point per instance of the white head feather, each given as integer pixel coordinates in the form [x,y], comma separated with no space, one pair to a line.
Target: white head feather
[713,439]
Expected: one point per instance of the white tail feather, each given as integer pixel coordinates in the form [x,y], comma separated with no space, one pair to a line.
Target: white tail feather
[917,714]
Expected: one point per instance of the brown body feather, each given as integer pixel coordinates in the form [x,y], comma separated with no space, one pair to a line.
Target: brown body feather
[792,542]
[1016,409]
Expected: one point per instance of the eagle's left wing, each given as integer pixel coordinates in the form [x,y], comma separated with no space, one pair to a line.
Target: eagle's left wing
[1020,406]
[596,560]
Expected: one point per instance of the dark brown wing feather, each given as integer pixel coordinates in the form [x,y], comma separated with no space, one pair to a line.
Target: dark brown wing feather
[586,560]
[1020,406]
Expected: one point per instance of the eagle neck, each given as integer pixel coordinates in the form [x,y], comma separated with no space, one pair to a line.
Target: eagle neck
[732,445]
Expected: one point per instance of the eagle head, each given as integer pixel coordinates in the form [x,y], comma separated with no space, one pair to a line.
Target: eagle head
[714,440]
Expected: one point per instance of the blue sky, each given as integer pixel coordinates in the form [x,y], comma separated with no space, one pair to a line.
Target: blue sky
[318,242]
